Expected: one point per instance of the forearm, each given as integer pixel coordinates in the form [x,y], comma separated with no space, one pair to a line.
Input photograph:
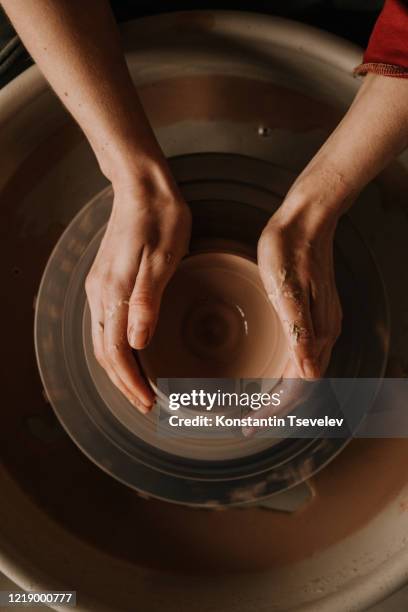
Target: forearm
[372,133]
[78,49]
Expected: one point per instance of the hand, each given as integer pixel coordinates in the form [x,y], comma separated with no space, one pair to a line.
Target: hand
[293,392]
[147,235]
[295,251]
[295,255]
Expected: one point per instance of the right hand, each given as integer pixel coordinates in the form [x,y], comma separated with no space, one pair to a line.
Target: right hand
[147,235]
[295,255]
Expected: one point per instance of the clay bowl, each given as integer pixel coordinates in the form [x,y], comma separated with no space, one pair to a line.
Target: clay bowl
[216,322]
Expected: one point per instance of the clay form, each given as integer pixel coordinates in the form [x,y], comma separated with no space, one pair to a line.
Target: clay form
[216,322]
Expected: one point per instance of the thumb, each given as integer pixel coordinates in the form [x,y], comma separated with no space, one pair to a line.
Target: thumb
[144,303]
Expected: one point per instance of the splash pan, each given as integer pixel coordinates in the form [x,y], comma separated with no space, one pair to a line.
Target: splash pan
[218,187]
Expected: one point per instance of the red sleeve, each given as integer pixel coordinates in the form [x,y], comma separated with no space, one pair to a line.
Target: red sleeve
[387,51]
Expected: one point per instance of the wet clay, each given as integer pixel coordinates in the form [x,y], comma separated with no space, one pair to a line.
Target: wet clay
[216,321]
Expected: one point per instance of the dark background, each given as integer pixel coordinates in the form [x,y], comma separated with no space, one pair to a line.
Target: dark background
[351,19]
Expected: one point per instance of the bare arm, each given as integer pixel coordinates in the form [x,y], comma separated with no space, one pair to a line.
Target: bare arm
[296,248]
[77,47]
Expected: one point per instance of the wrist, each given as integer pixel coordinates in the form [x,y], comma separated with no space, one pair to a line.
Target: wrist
[129,154]
[146,183]
[304,213]
[304,223]
[120,162]
[319,196]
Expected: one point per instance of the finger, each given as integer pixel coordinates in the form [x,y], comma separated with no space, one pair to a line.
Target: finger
[118,354]
[324,358]
[97,330]
[290,297]
[326,315]
[292,304]
[327,349]
[97,320]
[126,392]
[154,273]
[320,296]
[292,391]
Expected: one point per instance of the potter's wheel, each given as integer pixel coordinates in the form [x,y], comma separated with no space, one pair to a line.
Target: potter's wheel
[231,198]
[208,81]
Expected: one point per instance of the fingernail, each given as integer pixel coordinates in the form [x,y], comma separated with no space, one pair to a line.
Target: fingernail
[138,337]
[310,369]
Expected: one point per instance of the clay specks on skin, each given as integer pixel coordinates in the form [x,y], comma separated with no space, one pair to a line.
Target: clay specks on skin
[122,343]
[292,294]
[297,332]
[277,287]
[110,313]
[283,275]
[288,287]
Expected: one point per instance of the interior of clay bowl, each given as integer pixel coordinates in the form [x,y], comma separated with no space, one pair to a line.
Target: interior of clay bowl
[216,322]
[208,81]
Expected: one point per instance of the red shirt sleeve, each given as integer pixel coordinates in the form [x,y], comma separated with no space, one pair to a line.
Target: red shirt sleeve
[387,51]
